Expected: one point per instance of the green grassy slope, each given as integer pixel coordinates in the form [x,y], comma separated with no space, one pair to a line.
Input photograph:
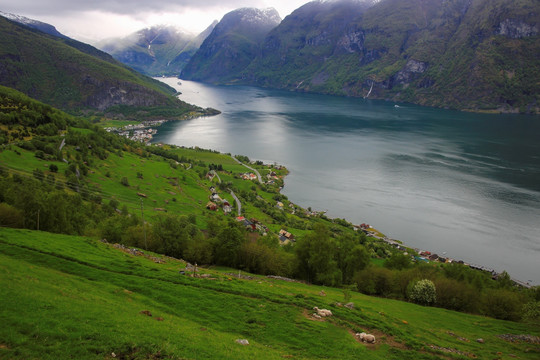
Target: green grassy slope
[95,186]
[73,297]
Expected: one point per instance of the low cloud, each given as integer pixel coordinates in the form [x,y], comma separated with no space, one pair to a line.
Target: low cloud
[121,7]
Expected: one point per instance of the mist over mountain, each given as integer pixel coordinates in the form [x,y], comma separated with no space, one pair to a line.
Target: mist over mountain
[155,51]
[466,54]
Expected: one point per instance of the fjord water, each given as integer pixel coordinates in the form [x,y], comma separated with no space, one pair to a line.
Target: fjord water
[460,184]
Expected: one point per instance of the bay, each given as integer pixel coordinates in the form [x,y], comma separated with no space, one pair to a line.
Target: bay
[459,184]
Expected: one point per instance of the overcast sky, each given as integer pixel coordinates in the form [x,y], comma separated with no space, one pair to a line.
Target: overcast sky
[94,20]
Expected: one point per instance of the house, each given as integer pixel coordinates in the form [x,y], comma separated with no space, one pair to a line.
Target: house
[226,207]
[215,197]
[211,206]
[248,176]
[285,235]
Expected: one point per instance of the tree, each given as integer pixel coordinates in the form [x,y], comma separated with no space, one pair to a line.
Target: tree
[315,254]
[351,257]
[171,233]
[53,168]
[423,292]
[398,261]
[228,244]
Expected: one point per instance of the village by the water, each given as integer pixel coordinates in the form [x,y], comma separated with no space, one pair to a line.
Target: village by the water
[144,133]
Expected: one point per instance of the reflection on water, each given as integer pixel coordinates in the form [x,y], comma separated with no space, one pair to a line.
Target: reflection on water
[465,184]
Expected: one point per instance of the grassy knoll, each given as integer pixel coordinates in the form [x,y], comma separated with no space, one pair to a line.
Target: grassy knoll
[75,297]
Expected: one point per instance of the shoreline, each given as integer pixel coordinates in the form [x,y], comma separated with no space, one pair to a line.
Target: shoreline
[306,199]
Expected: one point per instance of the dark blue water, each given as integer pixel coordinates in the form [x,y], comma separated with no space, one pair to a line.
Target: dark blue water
[460,184]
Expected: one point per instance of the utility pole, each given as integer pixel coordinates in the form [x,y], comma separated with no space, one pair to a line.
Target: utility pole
[144,226]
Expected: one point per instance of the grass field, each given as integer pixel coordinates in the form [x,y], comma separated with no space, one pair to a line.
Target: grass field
[66,297]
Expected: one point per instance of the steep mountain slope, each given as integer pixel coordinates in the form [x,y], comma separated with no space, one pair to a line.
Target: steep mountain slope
[304,41]
[182,59]
[467,54]
[55,71]
[155,51]
[232,45]
[34,24]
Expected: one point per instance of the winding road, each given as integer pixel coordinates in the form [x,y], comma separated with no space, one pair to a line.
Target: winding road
[249,167]
[238,203]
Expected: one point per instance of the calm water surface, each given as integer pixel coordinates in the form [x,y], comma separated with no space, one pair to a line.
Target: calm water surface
[459,184]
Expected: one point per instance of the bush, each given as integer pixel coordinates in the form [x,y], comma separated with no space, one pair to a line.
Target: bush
[502,304]
[531,311]
[455,295]
[53,168]
[423,292]
[124,181]
[375,281]
[11,216]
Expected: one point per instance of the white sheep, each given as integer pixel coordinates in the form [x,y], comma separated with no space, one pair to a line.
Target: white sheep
[322,312]
[366,337]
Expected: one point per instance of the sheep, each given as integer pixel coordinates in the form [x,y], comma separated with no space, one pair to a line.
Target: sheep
[322,312]
[366,337]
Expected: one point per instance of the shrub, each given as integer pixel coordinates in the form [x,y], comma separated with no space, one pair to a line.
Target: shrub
[11,216]
[455,295]
[53,168]
[502,304]
[423,292]
[375,281]
[531,311]
[124,181]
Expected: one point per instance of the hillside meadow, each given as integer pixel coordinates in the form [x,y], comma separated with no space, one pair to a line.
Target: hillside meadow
[77,297]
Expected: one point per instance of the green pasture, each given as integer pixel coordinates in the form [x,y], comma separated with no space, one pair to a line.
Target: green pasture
[75,297]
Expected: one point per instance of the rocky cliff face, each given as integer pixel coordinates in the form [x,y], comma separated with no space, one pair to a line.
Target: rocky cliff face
[516,29]
[104,93]
[465,54]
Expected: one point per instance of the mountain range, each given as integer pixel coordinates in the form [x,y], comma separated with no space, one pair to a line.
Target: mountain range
[479,55]
[156,51]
